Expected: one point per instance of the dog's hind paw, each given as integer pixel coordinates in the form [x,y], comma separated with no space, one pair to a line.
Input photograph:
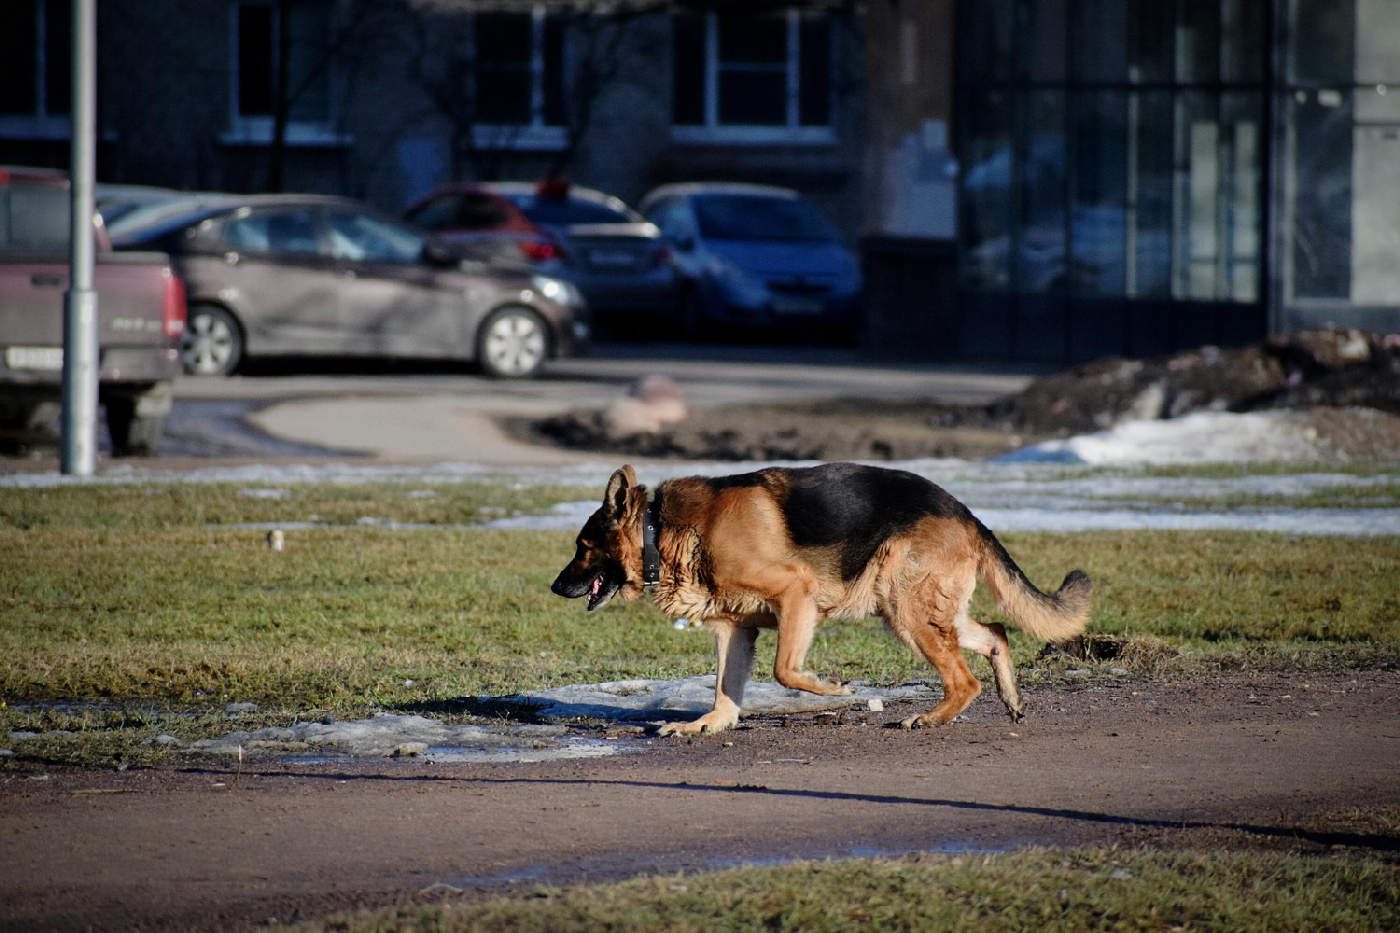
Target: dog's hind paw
[707,724]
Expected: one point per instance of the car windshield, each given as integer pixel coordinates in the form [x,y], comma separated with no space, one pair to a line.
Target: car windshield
[563,212]
[758,217]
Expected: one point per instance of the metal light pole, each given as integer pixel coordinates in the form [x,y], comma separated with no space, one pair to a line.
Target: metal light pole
[80,301]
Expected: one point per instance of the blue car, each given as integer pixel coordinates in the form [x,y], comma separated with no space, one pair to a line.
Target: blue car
[757,256]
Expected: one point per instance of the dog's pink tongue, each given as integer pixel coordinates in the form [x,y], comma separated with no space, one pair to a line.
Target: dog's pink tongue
[597,585]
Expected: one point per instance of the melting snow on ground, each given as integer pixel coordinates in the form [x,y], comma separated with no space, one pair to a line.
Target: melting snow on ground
[1090,482]
[395,735]
[654,700]
[1196,438]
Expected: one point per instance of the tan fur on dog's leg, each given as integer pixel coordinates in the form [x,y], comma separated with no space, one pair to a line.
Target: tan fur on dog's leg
[734,662]
[797,624]
[990,642]
[940,645]
[926,624]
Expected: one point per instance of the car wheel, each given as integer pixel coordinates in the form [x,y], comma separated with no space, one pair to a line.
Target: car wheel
[212,344]
[512,344]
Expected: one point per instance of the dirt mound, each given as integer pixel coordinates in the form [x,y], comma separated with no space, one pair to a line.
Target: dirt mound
[1317,368]
[1333,369]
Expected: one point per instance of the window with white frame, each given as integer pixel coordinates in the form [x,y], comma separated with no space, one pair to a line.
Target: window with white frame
[35,44]
[262,34]
[760,77]
[518,74]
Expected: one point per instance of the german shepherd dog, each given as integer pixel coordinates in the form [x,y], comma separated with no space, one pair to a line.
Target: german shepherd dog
[786,548]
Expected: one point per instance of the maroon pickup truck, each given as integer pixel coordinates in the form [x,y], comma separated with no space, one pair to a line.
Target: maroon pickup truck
[140,310]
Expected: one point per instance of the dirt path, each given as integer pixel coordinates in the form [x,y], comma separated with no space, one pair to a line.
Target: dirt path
[1244,760]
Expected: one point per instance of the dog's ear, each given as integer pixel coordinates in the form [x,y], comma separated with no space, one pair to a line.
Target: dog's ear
[623,481]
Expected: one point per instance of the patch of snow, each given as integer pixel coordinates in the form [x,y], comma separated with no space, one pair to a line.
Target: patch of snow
[406,735]
[263,492]
[1202,437]
[1340,522]
[560,516]
[667,699]
[396,735]
[1093,481]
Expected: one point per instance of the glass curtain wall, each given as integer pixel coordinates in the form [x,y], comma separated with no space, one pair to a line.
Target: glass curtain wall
[1340,198]
[1112,166]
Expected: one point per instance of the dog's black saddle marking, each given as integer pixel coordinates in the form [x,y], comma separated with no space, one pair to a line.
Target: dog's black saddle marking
[858,507]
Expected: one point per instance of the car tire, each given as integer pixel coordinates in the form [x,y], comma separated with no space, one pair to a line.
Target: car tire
[513,343]
[212,344]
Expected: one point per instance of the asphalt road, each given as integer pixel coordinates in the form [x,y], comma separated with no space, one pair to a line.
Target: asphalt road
[425,412]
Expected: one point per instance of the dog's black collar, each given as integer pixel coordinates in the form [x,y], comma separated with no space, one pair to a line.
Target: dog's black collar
[651,556]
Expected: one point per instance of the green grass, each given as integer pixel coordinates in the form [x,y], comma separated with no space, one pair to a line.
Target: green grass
[155,603]
[1029,889]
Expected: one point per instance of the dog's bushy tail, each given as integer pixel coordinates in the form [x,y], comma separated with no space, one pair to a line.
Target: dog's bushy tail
[1048,617]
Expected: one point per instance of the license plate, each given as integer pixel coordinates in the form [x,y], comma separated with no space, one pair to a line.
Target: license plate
[47,358]
[613,259]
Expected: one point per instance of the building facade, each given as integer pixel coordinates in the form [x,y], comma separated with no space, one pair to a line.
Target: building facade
[1040,180]
[1134,178]
[382,99]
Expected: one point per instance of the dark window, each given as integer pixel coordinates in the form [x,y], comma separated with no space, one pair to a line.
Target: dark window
[256,57]
[814,75]
[260,46]
[58,54]
[688,70]
[511,56]
[504,47]
[1150,41]
[309,25]
[752,53]
[555,106]
[1323,203]
[1099,38]
[36,46]
[1198,42]
[739,69]
[1046,33]
[1323,50]
[19,91]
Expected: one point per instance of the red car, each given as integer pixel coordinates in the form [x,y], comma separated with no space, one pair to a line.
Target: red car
[617,259]
[487,225]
